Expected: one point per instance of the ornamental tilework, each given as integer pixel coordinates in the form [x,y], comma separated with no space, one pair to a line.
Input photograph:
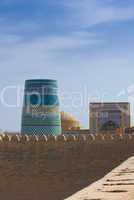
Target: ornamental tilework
[41,113]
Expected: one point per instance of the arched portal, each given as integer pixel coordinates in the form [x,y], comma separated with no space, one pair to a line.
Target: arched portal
[109,126]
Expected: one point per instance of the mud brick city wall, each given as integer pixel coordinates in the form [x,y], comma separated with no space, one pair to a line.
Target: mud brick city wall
[59,165]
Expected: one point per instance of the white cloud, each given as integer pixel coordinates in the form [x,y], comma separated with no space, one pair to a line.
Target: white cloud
[47,56]
[91,12]
[19,55]
[71,41]
[46,44]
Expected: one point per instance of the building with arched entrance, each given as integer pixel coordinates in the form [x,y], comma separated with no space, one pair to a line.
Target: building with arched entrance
[109,116]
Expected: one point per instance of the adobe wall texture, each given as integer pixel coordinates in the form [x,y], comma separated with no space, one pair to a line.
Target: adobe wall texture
[54,168]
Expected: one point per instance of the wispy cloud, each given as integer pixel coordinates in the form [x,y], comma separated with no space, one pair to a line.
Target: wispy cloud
[92,12]
[12,47]
[74,40]
[79,14]
[70,16]
[49,39]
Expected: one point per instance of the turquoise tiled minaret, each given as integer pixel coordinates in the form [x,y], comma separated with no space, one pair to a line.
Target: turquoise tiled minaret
[41,113]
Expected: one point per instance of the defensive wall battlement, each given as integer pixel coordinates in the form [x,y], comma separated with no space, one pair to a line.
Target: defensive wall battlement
[57,167]
[91,138]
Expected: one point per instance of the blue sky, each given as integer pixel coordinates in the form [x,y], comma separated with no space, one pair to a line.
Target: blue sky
[87,45]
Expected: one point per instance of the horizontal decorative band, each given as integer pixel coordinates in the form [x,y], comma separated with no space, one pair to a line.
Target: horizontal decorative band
[42,125]
[47,130]
[41,109]
[41,100]
[40,84]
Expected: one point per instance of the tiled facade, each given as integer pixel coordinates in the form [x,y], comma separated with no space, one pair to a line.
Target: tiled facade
[103,115]
[41,114]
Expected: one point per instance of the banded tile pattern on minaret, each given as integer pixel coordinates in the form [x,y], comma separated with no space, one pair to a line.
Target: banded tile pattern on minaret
[41,113]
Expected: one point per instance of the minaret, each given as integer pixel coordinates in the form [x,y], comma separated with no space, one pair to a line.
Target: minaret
[41,113]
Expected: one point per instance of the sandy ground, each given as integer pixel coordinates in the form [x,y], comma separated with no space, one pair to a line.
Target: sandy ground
[54,172]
